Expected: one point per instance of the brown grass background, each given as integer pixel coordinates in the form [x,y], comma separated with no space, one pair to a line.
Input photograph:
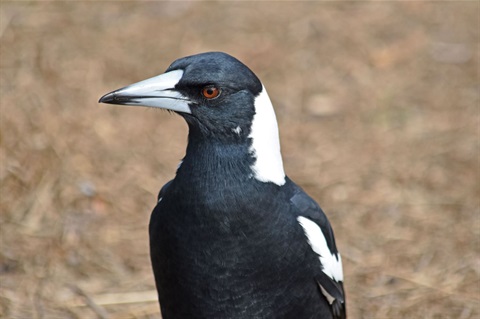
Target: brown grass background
[378,108]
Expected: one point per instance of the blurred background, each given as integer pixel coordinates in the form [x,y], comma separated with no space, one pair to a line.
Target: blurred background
[378,108]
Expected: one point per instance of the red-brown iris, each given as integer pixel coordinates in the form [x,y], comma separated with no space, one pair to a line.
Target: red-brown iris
[210,92]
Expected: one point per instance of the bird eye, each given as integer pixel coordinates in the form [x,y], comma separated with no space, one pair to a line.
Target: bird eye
[210,92]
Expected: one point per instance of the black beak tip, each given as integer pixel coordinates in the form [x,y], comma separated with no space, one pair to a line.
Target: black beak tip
[107,98]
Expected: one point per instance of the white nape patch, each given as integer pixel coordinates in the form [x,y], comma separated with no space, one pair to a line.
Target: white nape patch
[332,266]
[265,147]
[179,164]
[159,200]
[237,130]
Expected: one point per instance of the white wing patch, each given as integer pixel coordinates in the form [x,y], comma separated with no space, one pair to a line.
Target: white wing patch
[265,147]
[332,266]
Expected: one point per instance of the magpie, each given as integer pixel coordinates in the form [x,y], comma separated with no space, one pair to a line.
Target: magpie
[231,235]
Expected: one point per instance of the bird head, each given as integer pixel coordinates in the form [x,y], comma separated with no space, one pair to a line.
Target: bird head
[214,92]
[220,98]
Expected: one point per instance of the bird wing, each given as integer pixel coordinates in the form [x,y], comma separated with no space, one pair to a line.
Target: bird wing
[320,236]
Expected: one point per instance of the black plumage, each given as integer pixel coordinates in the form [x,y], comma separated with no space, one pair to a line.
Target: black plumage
[231,235]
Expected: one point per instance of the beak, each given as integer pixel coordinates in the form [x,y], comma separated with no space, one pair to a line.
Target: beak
[158,91]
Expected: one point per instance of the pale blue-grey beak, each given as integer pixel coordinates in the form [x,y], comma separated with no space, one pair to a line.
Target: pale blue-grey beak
[158,91]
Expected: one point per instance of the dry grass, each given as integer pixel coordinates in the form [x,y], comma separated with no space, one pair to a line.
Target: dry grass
[378,105]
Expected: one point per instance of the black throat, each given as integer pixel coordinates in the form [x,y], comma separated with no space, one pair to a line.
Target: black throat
[221,160]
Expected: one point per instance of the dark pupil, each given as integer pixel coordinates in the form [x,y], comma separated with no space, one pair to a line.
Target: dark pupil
[210,91]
